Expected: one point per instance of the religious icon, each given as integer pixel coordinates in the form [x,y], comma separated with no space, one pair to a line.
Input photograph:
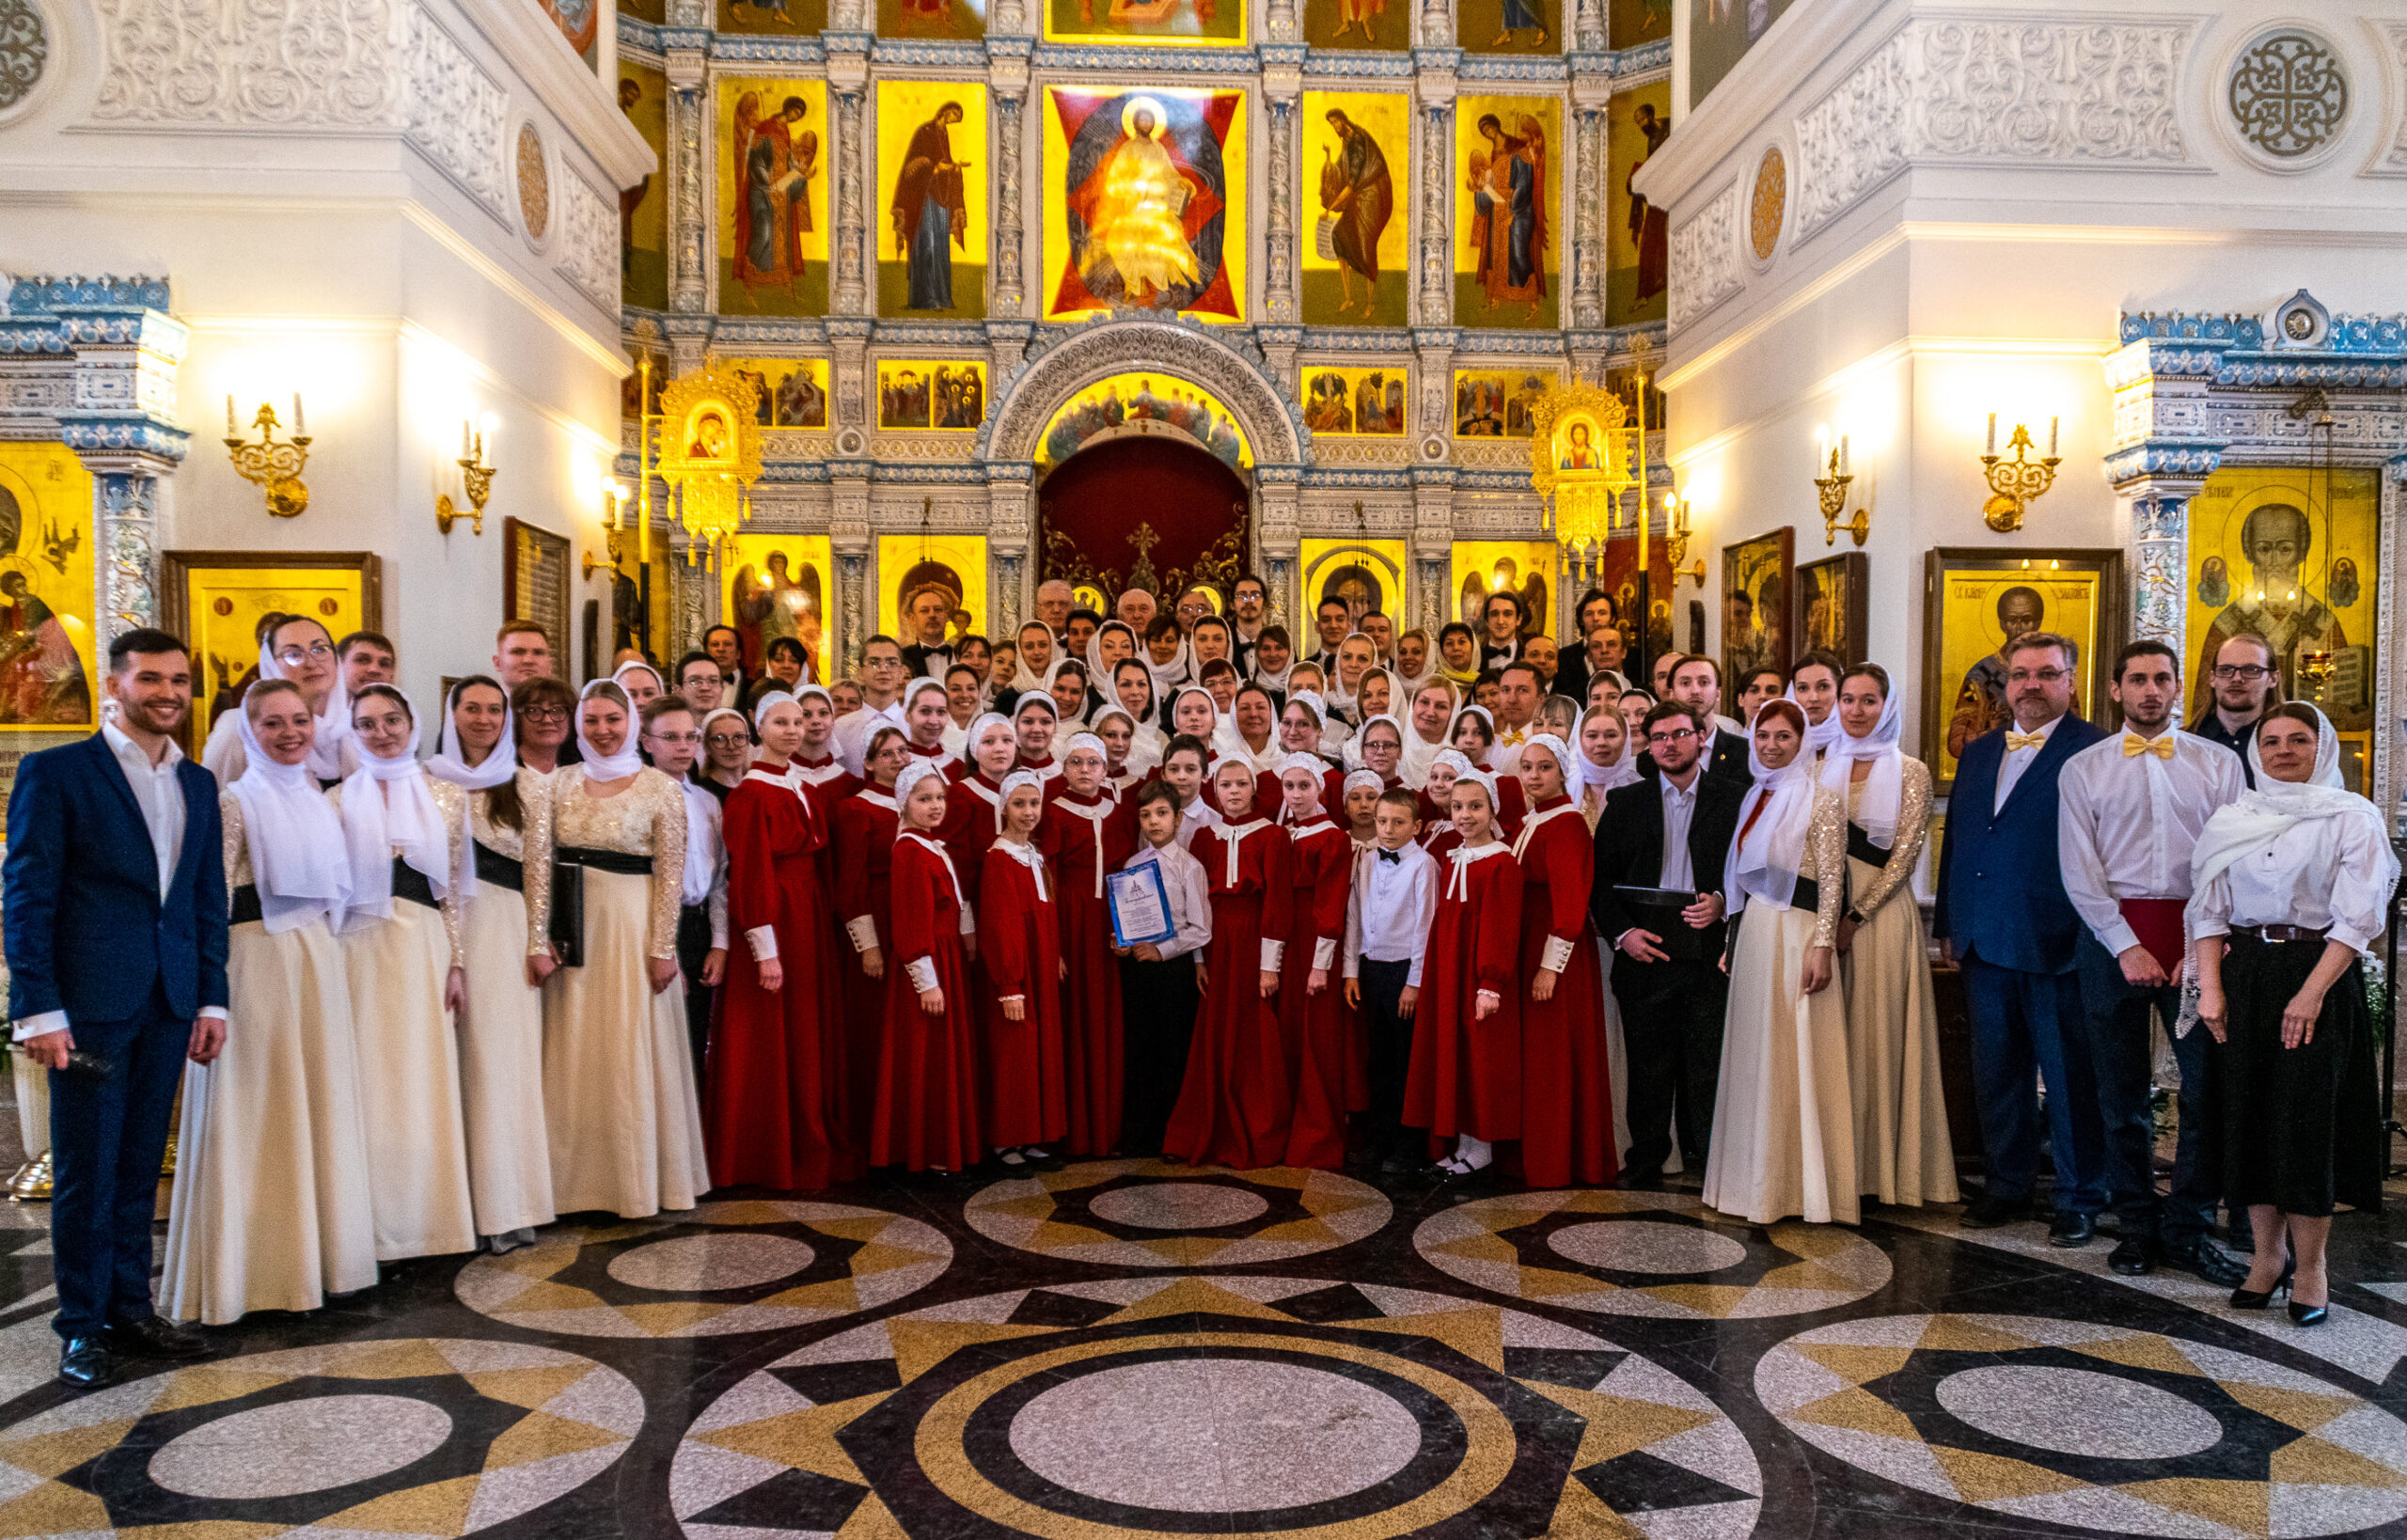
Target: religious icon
[1638,256]
[1145,193]
[1834,596]
[778,586]
[909,565]
[1985,601]
[918,394]
[1579,452]
[772,242]
[1357,24]
[1497,403]
[779,18]
[46,592]
[1355,400]
[1366,575]
[1177,22]
[2276,552]
[708,437]
[964,19]
[643,220]
[794,391]
[932,137]
[901,396]
[1356,198]
[1524,569]
[1504,153]
[1757,577]
[1509,26]
[1635,22]
[1131,402]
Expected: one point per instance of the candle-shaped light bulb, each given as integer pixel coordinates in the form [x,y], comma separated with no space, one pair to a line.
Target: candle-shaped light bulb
[231,431]
[464,432]
[299,428]
[1991,451]
[2051,438]
[1842,454]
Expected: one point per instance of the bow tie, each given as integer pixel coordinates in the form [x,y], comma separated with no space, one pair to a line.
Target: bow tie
[1392,857]
[2024,740]
[2135,746]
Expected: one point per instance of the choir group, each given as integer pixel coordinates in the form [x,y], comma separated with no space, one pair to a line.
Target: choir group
[1433,905]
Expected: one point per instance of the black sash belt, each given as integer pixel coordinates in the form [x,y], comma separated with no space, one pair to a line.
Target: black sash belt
[603,860]
[245,909]
[1808,896]
[411,884]
[1860,846]
[500,870]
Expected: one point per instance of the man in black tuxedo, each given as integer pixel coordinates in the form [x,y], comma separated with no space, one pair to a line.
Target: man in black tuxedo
[1670,832]
[1695,682]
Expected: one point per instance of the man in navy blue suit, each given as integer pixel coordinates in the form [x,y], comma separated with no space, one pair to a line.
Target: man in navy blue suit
[116,935]
[2003,914]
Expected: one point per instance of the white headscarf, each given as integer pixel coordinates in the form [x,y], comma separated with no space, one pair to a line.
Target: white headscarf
[1605,777]
[1334,688]
[1419,754]
[914,772]
[1428,659]
[618,677]
[1003,794]
[1167,676]
[299,859]
[1096,668]
[1076,718]
[763,702]
[1268,680]
[1312,762]
[1083,739]
[1352,750]
[2272,808]
[334,718]
[500,762]
[1022,677]
[627,761]
[1574,767]
[1884,785]
[1763,868]
[388,808]
[978,726]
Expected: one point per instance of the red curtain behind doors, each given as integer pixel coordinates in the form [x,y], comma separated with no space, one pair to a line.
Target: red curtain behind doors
[1114,511]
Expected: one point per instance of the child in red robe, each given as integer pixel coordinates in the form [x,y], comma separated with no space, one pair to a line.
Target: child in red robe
[864,851]
[1088,833]
[974,810]
[1020,947]
[926,1115]
[1566,1091]
[1466,1079]
[1311,1004]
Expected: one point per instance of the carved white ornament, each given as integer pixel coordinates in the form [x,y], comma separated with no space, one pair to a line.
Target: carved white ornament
[2395,161]
[589,241]
[322,63]
[458,114]
[2287,94]
[1705,258]
[25,49]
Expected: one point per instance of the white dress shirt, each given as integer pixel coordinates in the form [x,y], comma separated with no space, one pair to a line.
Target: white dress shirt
[162,802]
[2130,821]
[1679,812]
[1190,897]
[1389,913]
[2318,874]
[2016,760]
[1197,814]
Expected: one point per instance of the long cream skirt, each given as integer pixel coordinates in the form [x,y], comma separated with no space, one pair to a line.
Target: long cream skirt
[1901,1143]
[627,1131]
[1784,1119]
[271,1207]
[501,1068]
[409,1084]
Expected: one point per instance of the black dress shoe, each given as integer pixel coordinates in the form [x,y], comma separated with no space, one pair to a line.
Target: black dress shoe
[83,1363]
[1986,1213]
[155,1338]
[2306,1315]
[2071,1232]
[2202,1258]
[1642,1182]
[2132,1257]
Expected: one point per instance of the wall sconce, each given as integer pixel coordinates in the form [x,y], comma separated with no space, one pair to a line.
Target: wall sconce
[2015,484]
[476,474]
[613,494]
[276,467]
[1831,488]
[1675,509]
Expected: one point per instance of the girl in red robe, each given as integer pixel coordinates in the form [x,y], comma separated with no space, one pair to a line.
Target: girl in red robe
[1439,836]
[1566,1091]
[1235,1105]
[777,1114]
[1020,942]
[1086,834]
[1473,736]
[927,1065]
[1312,1007]
[1466,1079]
[974,810]
[864,853]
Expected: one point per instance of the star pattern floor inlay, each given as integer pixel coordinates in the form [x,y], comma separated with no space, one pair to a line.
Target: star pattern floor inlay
[1141,1350]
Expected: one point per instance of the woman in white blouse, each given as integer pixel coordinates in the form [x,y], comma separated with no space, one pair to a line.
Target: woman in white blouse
[2291,885]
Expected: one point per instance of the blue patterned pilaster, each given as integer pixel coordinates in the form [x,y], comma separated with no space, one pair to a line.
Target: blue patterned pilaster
[2160,510]
[126,515]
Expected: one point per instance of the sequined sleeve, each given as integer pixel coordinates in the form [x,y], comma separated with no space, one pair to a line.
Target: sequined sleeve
[453,804]
[1913,826]
[535,794]
[667,809]
[1825,836]
[237,847]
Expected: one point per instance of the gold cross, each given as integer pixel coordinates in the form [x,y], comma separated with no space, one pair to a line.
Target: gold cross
[1144,540]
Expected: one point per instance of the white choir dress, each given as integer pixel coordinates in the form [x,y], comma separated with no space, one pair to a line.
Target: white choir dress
[1901,1145]
[501,1031]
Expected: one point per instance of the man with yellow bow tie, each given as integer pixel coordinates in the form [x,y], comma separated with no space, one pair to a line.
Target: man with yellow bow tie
[2002,913]
[2129,812]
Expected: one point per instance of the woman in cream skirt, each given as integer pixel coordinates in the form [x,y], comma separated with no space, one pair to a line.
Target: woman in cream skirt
[625,1129]
[271,1208]
[401,944]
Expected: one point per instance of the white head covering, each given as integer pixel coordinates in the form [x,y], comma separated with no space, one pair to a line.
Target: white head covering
[762,704]
[1884,785]
[1428,658]
[1605,777]
[719,711]
[1011,783]
[1396,688]
[1153,691]
[389,809]
[1096,668]
[1418,752]
[1023,678]
[1454,759]
[1484,779]
[1762,869]
[978,726]
[1182,693]
[1312,701]
[500,765]
[626,762]
[1364,777]
[1038,697]
[1088,740]
[2272,808]
[1353,749]
[299,859]
[913,772]
[1167,676]
[619,675]
[1573,769]
[1339,701]
[334,718]
[1075,718]
[1268,680]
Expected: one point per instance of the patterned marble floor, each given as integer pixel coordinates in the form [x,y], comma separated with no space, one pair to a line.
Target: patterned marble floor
[1128,1348]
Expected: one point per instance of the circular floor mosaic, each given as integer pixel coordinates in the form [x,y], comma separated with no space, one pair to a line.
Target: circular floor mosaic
[1262,1406]
[722,1268]
[421,1437]
[2094,1426]
[1648,1253]
[1154,1213]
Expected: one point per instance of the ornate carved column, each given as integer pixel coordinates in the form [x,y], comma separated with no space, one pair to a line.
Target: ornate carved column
[1007,75]
[850,541]
[1276,506]
[1433,547]
[1588,33]
[1009,497]
[1590,93]
[848,340]
[1437,117]
[2160,512]
[847,88]
[688,179]
[1282,84]
[126,503]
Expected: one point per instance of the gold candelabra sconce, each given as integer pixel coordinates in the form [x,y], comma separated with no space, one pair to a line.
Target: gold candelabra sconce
[1675,512]
[1831,488]
[2016,484]
[613,499]
[476,475]
[274,464]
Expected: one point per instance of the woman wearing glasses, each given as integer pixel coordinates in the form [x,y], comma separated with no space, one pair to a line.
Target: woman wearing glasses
[297,648]
[539,712]
[727,753]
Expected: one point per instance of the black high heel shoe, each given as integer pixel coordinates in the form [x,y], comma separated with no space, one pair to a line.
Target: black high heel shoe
[2307,1315]
[2245,1299]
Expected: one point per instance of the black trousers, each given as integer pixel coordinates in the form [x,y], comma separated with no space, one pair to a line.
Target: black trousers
[2121,1039]
[693,950]
[1158,1002]
[1390,1033]
[108,1136]
[1671,1029]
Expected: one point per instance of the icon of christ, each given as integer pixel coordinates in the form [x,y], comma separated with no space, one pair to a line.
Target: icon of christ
[1146,211]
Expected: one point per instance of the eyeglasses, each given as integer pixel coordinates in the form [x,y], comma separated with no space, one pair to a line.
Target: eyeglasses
[295,656]
[2039,676]
[674,738]
[1676,735]
[2240,670]
[543,714]
[727,740]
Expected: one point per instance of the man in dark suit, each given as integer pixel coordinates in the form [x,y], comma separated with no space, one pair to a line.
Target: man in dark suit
[1670,833]
[116,935]
[2004,915]
[1695,681]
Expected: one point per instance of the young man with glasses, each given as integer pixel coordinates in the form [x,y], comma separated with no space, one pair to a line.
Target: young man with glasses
[2004,915]
[1695,681]
[2245,683]
[699,682]
[1661,845]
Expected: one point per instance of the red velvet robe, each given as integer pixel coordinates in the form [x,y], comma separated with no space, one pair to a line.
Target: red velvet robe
[1512,806]
[927,1066]
[778,1085]
[1235,1104]
[1268,792]
[1566,1091]
[968,828]
[1466,1075]
[1311,1028]
[1019,946]
[1084,837]
[863,853]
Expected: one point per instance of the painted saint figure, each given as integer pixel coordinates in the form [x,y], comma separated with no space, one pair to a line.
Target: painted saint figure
[2274,602]
[1358,195]
[630,198]
[1508,224]
[774,169]
[1650,227]
[1980,700]
[930,211]
[1133,205]
[41,679]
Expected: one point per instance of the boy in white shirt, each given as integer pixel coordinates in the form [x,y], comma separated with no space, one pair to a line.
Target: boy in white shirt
[1184,760]
[1386,930]
[1161,982]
